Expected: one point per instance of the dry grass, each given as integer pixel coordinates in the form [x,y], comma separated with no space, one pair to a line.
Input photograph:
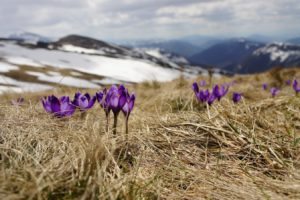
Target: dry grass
[177,148]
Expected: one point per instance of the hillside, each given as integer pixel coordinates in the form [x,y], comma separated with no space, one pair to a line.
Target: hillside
[81,62]
[177,148]
[225,53]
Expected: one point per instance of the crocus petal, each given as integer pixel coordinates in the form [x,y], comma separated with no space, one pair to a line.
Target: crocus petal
[195,88]
[55,104]
[126,109]
[91,102]
[99,96]
[87,95]
[83,102]
[122,100]
[131,102]
[211,99]
[46,105]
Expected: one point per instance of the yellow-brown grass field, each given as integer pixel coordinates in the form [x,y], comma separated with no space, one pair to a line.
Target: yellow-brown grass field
[177,148]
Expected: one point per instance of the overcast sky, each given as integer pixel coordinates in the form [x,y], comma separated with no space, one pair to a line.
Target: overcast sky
[137,19]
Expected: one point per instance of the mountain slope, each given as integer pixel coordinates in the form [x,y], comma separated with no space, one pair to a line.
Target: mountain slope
[226,53]
[294,41]
[81,62]
[271,55]
[179,47]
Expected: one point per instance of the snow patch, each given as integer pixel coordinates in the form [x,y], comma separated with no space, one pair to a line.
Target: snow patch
[5,67]
[64,80]
[20,86]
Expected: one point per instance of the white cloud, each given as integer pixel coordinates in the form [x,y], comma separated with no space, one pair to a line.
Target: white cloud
[149,18]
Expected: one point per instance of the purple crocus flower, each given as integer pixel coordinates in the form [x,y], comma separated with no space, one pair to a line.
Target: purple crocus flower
[220,92]
[128,107]
[274,91]
[265,86]
[288,82]
[129,104]
[211,99]
[60,107]
[114,99]
[17,102]
[202,83]
[296,86]
[84,101]
[195,88]
[202,95]
[236,97]
[117,98]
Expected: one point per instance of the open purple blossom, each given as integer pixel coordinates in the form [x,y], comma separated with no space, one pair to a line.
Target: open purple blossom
[17,102]
[264,86]
[59,107]
[203,95]
[220,92]
[236,97]
[296,86]
[84,101]
[211,99]
[274,91]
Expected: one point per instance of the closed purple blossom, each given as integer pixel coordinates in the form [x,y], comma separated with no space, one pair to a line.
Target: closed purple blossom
[202,83]
[202,95]
[296,86]
[265,86]
[236,97]
[129,104]
[195,88]
[117,98]
[288,82]
[60,107]
[274,91]
[84,101]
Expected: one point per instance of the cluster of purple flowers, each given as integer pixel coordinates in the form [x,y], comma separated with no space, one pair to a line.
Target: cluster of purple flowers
[274,90]
[115,99]
[217,93]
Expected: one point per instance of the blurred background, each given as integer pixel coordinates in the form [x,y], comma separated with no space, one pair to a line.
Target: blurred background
[91,43]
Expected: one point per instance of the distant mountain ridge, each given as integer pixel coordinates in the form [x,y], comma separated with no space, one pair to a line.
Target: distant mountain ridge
[173,46]
[226,53]
[268,56]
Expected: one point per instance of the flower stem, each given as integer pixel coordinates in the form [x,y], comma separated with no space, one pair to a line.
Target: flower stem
[115,123]
[126,124]
[107,122]
[83,115]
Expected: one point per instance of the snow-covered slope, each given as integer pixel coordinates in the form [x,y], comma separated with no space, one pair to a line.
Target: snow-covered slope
[77,66]
[268,56]
[279,52]
[165,56]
